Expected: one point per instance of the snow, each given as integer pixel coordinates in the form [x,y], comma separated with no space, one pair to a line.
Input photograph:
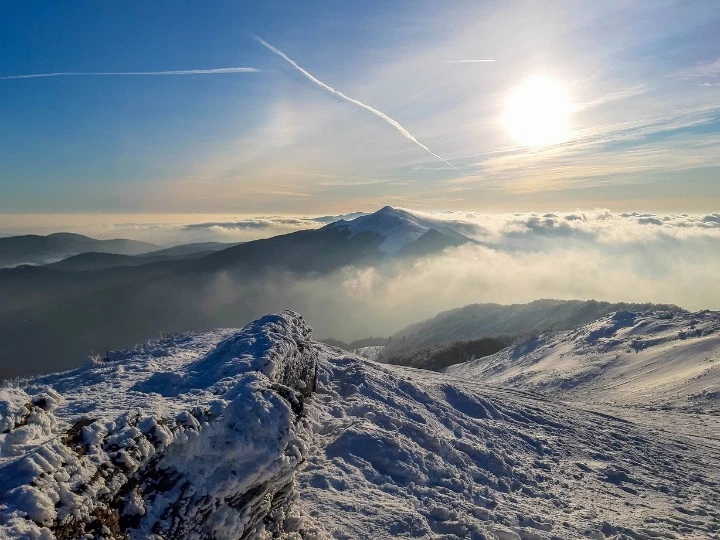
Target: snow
[398,227]
[404,452]
[186,436]
[650,360]
[372,352]
[218,435]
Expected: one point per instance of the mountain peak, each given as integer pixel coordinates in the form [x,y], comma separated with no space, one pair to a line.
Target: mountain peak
[389,210]
[399,228]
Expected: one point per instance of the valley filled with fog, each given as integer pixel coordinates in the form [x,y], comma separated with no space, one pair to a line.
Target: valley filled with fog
[347,284]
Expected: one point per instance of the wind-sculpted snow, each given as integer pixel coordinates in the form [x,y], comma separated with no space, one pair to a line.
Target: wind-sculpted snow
[400,452]
[190,437]
[653,360]
[262,433]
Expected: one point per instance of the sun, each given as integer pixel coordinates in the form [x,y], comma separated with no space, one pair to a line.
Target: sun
[537,112]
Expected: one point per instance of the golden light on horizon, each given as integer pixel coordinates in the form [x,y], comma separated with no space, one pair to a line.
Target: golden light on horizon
[537,112]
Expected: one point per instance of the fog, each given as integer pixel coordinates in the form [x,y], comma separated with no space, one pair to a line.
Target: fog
[517,258]
[629,257]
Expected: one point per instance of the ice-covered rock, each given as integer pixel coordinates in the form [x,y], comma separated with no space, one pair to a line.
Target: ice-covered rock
[196,436]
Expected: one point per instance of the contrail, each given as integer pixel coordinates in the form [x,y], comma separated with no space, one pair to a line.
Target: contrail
[478,61]
[117,73]
[393,123]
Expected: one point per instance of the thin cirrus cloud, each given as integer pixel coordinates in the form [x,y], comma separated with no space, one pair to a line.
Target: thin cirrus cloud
[394,123]
[475,61]
[218,71]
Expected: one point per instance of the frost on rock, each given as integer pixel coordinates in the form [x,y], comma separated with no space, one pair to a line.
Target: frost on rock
[201,441]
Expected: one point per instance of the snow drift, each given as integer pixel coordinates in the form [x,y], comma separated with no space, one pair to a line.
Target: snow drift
[220,435]
[654,359]
[400,452]
[189,437]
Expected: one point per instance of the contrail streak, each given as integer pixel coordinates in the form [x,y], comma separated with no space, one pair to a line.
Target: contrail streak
[117,73]
[478,61]
[318,82]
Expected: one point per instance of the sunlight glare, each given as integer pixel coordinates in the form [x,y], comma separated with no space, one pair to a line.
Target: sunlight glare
[537,112]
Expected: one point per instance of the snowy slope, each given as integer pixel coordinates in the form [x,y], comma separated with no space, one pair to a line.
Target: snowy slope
[208,436]
[372,352]
[399,452]
[398,228]
[191,437]
[654,359]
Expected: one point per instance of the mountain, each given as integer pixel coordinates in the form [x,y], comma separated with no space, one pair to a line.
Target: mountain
[34,249]
[263,432]
[365,240]
[654,359]
[477,321]
[101,261]
[402,232]
[438,357]
[106,306]
[195,248]
[95,261]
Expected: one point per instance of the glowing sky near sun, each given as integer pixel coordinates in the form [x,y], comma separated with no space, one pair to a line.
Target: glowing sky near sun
[160,108]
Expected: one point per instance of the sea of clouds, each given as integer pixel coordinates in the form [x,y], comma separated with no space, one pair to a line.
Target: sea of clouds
[518,257]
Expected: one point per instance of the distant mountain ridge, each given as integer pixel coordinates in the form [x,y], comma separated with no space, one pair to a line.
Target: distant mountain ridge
[402,231]
[36,249]
[368,239]
[656,359]
[477,321]
[101,261]
[99,302]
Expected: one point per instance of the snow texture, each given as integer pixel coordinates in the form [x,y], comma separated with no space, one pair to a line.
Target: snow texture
[398,227]
[372,352]
[187,437]
[668,360]
[220,435]
[400,452]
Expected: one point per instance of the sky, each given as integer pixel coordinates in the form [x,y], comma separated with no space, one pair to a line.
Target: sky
[167,112]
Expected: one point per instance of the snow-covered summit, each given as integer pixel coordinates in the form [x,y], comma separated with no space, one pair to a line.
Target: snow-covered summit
[398,227]
[658,359]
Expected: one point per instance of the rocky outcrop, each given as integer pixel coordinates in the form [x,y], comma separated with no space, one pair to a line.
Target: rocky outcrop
[190,438]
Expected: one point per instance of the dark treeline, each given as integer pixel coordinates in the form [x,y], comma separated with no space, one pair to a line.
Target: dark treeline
[358,343]
[436,357]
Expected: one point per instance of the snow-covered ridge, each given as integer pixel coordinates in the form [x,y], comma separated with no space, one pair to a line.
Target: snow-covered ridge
[401,452]
[371,352]
[398,227]
[654,359]
[218,435]
[187,437]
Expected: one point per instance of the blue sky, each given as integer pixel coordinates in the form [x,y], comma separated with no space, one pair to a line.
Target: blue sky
[643,79]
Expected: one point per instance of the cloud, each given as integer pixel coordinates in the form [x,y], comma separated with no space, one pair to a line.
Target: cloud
[703,70]
[595,254]
[257,223]
[394,123]
[270,223]
[648,145]
[217,71]
[599,228]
